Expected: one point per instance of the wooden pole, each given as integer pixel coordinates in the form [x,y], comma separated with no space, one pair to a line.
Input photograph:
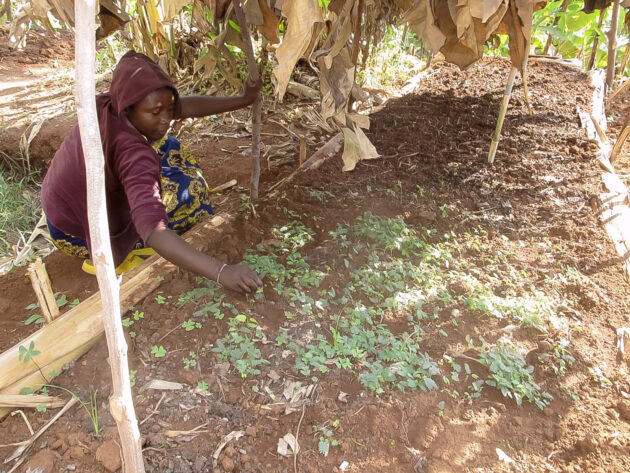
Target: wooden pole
[562,9]
[43,290]
[121,402]
[504,104]
[612,45]
[257,108]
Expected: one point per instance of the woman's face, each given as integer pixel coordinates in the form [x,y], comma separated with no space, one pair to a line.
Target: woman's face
[152,115]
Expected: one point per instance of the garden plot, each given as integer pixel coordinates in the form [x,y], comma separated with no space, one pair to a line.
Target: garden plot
[424,312]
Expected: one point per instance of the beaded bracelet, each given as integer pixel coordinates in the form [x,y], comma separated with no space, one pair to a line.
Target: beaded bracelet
[220,271]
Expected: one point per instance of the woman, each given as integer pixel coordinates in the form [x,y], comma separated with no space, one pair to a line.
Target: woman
[134,115]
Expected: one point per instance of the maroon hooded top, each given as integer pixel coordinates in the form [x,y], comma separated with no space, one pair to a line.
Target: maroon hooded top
[132,167]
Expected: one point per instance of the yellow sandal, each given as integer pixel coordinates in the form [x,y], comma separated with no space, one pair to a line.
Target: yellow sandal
[132,260]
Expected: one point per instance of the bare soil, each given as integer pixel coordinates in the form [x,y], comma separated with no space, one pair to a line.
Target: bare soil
[530,219]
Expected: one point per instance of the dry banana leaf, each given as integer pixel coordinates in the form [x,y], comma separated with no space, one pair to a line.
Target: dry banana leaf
[218,9]
[253,12]
[519,19]
[304,20]
[172,7]
[270,24]
[356,147]
[207,63]
[421,20]
[335,83]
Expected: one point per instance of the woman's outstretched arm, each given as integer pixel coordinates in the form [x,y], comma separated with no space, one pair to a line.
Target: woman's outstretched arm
[204,105]
[172,247]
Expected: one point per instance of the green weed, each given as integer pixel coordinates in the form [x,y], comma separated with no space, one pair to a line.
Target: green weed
[19,209]
[510,374]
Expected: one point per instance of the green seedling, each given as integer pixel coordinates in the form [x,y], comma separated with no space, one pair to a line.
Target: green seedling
[191,325]
[510,374]
[190,362]
[91,407]
[158,352]
[26,354]
[238,346]
[35,318]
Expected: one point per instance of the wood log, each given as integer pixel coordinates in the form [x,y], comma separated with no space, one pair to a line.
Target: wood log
[73,333]
[30,400]
[303,91]
[43,290]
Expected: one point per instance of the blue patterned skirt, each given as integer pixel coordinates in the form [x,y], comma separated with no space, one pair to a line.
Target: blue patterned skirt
[185,194]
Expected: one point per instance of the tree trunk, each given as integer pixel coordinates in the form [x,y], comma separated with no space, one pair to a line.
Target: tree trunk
[612,45]
[120,404]
[257,108]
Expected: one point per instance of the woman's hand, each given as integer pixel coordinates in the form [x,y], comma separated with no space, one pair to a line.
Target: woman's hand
[251,89]
[239,278]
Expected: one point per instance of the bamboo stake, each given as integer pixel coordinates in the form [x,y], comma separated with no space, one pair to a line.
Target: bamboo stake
[612,45]
[43,290]
[562,9]
[257,107]
[502,110]
[591,59]
[120,402]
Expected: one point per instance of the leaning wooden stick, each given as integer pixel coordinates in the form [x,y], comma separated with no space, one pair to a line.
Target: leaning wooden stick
[120,402]
[257,108]
[504,104]
[43,290]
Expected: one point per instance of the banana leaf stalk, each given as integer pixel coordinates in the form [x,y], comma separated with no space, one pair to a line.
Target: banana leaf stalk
[504,104]
[257,107]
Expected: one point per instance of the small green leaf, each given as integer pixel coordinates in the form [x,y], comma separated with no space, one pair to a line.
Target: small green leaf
[35,318]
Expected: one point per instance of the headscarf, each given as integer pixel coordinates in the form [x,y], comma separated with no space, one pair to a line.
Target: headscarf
[135,77]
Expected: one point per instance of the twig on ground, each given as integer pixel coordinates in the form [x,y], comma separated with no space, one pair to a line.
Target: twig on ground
[155,409]
[235,434]
[28,424]
[20,450]
[297,434]
[168,333]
